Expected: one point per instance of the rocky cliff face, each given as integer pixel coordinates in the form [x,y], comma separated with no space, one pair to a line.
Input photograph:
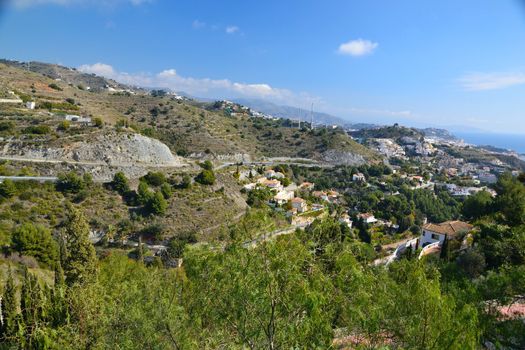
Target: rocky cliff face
[342,158]
[115,149]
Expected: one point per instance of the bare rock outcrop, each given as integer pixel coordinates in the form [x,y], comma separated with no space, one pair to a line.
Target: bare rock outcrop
[336,157]
[115,149]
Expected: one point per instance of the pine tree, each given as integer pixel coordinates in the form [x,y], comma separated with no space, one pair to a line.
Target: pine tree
[31,305]
[144,194]
[81,260]
[157,205]
[59,311]
[9,307]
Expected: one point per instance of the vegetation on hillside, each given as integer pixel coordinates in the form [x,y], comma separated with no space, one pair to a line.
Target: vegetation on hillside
[313,289]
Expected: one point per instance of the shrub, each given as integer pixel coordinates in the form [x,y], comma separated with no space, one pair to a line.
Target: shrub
[177,244]
[154,231]
[206,177]
[37,130]
[7,189]
[157,205]
[154,178]
[35,240]
[206,165]
[143,193]
[120,183]
[70,183]
[186,182]
[55,87]
[97,122]
[8,126]
[166,190]
[64,125]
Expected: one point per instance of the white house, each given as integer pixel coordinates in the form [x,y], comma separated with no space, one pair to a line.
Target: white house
[283,197]
[433,233]
[359,177]
[250,187]
[368,218]
[30,105]
[271,184]
[272,174]
[345,219]
[299,204]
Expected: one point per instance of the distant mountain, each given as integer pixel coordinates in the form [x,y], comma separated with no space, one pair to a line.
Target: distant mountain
[291,112]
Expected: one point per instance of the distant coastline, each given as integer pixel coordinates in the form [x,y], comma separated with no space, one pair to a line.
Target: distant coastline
[507,141]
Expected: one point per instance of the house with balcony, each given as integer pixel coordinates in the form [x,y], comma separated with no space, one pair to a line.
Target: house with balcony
[439,233]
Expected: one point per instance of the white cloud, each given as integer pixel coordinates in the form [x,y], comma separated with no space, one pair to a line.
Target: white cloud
[357,47]
[101,69]
[491,81]
[232,29]
[106,3]
[201,87]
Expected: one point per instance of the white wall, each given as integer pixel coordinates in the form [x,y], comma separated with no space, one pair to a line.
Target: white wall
[426,238]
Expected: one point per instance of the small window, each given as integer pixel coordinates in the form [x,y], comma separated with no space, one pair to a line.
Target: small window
[435,237]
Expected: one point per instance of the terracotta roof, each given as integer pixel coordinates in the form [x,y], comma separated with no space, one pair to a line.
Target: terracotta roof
[366,215]
[449,228]
[298,200]
[318,193]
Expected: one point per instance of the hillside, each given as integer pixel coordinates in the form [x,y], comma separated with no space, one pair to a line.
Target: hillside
[189,128]
[67,75]
[289,112]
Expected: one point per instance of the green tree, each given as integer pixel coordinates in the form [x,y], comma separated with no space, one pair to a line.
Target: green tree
[511,199]
[35,240]
[166,190]
[177,244]
[206,177]
[207,165]
[157,205]
[144,194]
[154,178]
[9,309]
[477,205]
[7,188]
[120,183]
[81,260]
[258,197]
[97,122]
[70,183]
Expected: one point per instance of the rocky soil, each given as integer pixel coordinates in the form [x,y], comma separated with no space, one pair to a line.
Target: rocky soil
[102,155]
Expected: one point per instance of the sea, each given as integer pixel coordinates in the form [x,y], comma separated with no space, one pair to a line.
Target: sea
[507,141]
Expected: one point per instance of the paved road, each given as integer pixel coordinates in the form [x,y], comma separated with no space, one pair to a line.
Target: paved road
[29,178]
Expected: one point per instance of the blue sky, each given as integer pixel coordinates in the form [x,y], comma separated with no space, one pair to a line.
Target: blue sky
[439,63]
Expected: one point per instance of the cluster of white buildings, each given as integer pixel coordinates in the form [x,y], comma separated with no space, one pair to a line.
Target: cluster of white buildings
[283,195]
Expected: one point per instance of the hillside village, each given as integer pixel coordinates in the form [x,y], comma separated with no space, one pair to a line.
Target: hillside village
[420,162]
[160,175]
